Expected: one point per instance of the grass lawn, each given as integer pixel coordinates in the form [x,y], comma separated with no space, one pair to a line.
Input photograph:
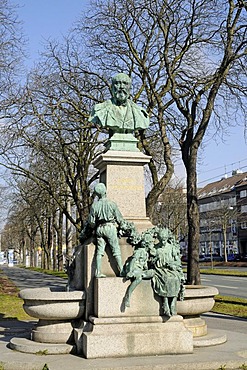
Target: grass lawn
[230,306]
[225,272]
[10,303]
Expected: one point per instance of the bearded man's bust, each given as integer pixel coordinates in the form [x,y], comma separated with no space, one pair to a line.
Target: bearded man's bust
[120,114]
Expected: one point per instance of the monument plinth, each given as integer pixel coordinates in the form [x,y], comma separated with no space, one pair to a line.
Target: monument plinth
[123,174]
[140,330]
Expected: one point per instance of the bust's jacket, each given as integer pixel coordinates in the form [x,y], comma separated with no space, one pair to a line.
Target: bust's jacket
[107,114]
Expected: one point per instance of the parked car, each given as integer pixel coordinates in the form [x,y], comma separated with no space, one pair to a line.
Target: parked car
[237,257]
[218,258]
[201,257]
[230,257]
[207,257]
[233,257]
[215,257]
[244,258]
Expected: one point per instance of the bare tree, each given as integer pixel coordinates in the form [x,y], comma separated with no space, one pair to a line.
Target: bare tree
[189,59]
[198,92]
[123,36]
[48,138]
[11,50]
[170,210]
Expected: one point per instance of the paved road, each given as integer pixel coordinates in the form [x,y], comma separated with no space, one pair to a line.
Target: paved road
[24,278]
[236,268]
[227,285]
[225,322]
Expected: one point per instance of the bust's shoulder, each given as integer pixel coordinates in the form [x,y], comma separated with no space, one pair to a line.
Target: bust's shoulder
[137,108]
[104,105]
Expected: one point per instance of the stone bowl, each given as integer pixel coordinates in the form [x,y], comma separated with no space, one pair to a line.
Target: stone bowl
[51,304]
[198,299]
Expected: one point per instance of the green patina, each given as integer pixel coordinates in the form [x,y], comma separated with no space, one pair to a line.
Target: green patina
[156,253]
[120,115]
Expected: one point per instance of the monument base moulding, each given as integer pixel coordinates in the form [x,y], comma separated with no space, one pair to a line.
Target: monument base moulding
[139,336]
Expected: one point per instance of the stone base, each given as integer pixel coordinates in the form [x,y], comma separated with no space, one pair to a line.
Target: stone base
[142,336]
[197,326]
[122,142]
[141,223]
[113,330]
[29,346]
[213,338]
[109,294]
[51,331]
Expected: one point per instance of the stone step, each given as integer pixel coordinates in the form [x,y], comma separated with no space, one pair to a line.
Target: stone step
[213,338]
[28,346]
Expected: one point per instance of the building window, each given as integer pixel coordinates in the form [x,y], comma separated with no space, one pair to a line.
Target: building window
[243,193]
[244,209]
[243,225]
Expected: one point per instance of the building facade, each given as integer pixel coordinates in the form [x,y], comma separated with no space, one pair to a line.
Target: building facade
[223,216]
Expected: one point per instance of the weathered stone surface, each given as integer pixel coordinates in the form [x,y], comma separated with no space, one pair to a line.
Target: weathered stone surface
[47,304]
[214,338]
[108,268]
[123,174]
[198,300]
[109,294]
[49,331]
[114,338]
[29,346]
[197,326]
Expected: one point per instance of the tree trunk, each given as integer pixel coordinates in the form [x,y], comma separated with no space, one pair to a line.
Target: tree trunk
[60,241]
[68,231]
[193,269]
[44,247]
[224,229]
[24,250]
[54,242]
[49,240]
[33,252]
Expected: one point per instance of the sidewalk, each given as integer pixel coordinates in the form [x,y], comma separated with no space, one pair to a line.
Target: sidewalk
[230,355]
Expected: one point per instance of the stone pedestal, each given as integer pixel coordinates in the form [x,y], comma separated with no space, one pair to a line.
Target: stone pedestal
[146,336]
[139,330]
[122,142]
[108,268]
[53,331]
[123,174]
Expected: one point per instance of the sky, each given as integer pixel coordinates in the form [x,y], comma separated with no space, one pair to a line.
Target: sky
[222,157]
[44,19]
